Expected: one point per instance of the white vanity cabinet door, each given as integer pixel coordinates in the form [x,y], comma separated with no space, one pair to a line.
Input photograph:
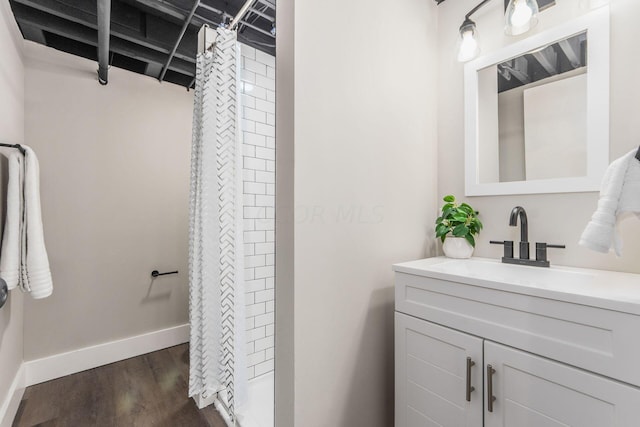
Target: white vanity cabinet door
[431,375]
[532,391]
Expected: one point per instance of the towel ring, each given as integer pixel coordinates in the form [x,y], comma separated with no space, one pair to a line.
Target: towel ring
[4,292]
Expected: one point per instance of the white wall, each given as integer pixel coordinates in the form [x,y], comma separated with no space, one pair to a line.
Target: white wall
[259,143]
[284,387]
[11,131]
[115,186]
[548,123]
[364,171]
[135,134]
[511,122]
[557,218]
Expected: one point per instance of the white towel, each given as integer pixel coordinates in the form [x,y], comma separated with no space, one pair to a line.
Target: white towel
[36,272]
[23,260]
[10,256]
[619,195]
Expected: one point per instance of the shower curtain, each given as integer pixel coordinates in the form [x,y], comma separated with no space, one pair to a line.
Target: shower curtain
[216,298]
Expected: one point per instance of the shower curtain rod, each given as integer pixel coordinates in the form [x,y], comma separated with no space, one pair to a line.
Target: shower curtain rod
[243,11]
[207,35]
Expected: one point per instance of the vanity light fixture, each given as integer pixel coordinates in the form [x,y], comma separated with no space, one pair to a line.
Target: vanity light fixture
[520,17]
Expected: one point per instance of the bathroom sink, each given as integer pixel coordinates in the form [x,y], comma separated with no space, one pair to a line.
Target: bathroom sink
[494,271]
[618,291]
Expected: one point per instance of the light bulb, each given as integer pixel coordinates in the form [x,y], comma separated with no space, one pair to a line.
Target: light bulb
[521,14]
[468,46]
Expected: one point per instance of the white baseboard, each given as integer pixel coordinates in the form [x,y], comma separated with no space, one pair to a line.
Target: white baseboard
[60,365]
[9,407]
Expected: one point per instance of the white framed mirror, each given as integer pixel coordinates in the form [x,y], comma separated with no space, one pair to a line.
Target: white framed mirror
[537,112]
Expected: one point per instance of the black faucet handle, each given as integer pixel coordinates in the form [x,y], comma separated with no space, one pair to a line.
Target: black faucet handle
[541,250]
[508,246]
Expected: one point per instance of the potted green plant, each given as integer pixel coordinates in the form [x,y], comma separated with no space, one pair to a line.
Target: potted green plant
[456,227]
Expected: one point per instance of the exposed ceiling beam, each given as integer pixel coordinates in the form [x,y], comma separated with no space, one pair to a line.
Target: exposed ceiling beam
[263,15]
[518,68]
[85,13]
[221,13]
[243,22]
[33,33]
[161,7]
[218,15]
[258,29]
[522,78]
[83,34]
[167,10]
[571,48]
[220,8]
[211,12]
[271,3]
[152,37]
[153,70]
[548,59]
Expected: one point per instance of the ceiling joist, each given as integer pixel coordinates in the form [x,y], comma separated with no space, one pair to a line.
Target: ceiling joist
[154,34]
[548,59]
[571,48]
[159,37]
[87,35]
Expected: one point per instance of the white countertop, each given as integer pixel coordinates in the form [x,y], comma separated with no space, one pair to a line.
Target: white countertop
[599,288]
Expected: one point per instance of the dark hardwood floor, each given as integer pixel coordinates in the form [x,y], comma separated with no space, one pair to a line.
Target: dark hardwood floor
[148,390]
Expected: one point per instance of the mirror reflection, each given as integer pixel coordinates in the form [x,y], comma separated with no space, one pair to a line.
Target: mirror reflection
[533,114]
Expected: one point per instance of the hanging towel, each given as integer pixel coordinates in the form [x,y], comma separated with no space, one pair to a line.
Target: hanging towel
[35,262]
[10,255]
[23,260]
[619,195]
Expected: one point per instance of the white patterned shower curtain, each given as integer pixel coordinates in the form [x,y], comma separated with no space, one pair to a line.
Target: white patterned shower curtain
[217,348]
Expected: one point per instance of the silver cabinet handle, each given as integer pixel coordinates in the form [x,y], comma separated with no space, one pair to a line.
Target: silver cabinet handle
[470,388]
[490,398]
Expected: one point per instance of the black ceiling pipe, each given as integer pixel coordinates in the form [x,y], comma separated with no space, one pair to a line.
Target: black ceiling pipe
[104,29]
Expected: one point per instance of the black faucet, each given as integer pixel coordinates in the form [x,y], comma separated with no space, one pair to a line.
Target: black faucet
[541,248]
[516,212]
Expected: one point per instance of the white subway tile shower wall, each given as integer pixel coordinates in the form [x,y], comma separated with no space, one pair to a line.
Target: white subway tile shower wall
[258,120]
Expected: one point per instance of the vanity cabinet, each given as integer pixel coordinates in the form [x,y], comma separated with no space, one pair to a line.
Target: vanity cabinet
[435,367]
[463,336]
[535,391]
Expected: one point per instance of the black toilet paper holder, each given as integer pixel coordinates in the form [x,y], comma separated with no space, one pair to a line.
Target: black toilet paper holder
[156,273]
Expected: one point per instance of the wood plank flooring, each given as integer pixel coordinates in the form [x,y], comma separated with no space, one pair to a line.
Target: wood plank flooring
[148,390]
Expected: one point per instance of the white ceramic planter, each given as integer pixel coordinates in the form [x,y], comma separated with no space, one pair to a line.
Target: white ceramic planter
[457,247]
